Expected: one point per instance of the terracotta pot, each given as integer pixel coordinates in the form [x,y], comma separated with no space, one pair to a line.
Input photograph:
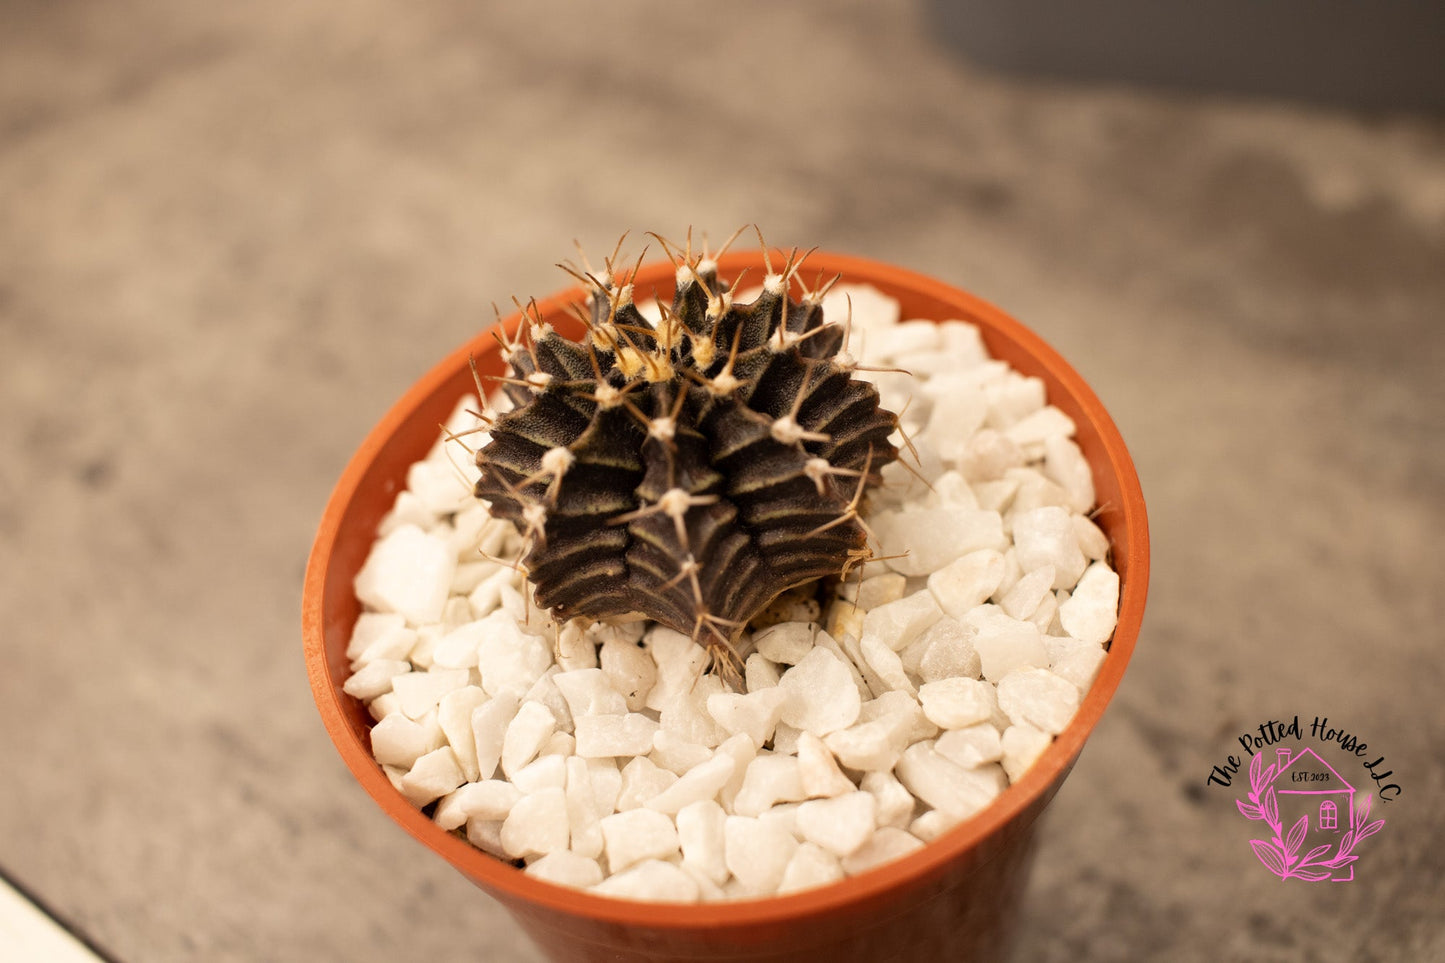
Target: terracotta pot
[955,899]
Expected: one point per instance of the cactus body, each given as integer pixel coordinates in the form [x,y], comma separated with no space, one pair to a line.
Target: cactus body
[689,470]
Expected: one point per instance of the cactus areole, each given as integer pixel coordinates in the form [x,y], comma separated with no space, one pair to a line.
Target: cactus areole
[689,470]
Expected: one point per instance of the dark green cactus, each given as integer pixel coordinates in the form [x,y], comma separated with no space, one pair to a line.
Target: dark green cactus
[690,470]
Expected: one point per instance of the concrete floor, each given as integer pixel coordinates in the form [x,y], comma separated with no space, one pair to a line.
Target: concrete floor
[232,234]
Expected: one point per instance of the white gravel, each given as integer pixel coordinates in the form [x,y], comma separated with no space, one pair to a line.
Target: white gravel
[604,757]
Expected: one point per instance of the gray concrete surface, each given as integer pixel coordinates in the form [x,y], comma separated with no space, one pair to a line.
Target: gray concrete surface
[231,235]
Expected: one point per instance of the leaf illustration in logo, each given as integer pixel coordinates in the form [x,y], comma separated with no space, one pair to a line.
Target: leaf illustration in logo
[1313,875]
[1269,855]
[1296,836]
[1271,807]
[1250,812]
[1256,773]
[1339,861]
[1370,830]
[1315,853]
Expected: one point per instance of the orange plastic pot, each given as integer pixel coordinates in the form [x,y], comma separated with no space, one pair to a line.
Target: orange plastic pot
[955,899]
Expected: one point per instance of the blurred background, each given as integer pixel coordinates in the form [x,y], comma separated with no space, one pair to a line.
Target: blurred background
[232,234]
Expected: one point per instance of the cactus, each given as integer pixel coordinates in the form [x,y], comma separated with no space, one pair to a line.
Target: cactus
[690,470]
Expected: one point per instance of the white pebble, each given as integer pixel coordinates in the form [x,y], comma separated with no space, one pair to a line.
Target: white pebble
[971,746]
[743,752]
[1023,599]
[490,799]
[606,784]
[675,754]
[652,880]
[680,662]
[932,824]
[966,582]
[489,729]
[868,746]
[699,784]
[635,835]
[786,642]
[371,627]
[566,868]
[454,715]
[756,713]
[611,735]
[825,641]
[900,622]
[1077,661]
[510,658]
[823,696]
[642,780]
[575,649]
[769,779]
[408,572]
[588,693]
[950,652]
[700,834]
[985,458]
[687,716]
[1037,428]
[818,770]
[1039,698]
[953,491]
[996,496]
[427,637]
[957,702]
[431,777]
[1004,644]
[1065,464]
[536,824]
[486,835]
[880,590]
[629,670]
[945,785]
[545,691]
[419,692]
[1092,610]
[583,819]
[886,845]
[458,648]
[757,853]
[544,772]
[811,866]
[760,672]
[893,803]
[448,813]
[841,824]
[392,644]
[399,741]
[383,705]
[1046,616]
[1022,744]
[438,485]
[532,726]
[374,678]
[928,540]
[1092,540]
[886,664]
[1045,536]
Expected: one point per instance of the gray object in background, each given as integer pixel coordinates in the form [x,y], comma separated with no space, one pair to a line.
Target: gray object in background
[1374,55]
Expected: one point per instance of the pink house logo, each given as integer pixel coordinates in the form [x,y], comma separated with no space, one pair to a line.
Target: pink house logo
[1302,791]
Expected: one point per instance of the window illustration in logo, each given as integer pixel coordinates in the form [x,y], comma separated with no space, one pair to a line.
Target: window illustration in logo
[1325,826]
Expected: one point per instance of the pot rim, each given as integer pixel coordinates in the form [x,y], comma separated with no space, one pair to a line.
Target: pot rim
[928,863]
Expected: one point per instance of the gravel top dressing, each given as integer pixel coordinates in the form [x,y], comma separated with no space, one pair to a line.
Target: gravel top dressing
[874,714]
